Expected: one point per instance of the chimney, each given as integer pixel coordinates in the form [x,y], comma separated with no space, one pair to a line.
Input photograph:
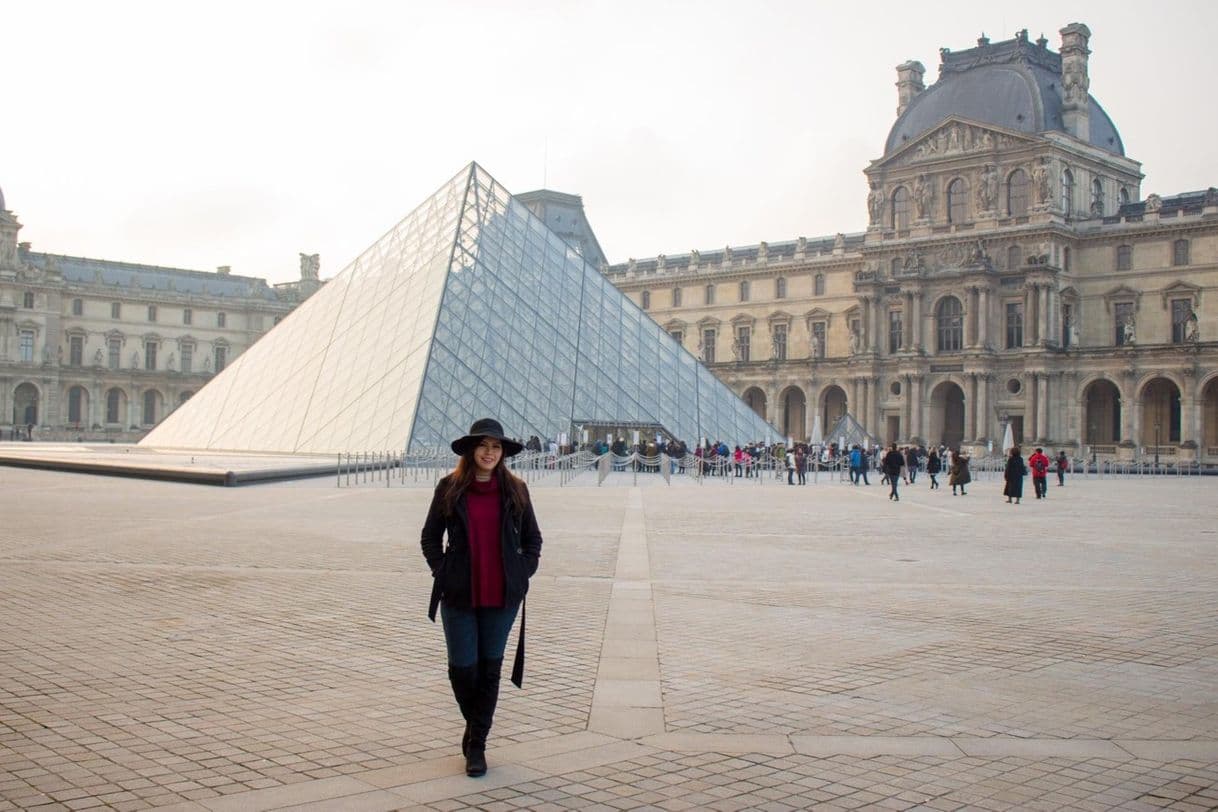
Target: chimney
[909,84]
[1076,104]
[224,270]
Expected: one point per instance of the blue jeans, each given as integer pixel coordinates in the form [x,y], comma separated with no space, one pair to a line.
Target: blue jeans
[476,634]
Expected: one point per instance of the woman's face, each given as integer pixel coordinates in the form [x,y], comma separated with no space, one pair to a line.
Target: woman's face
[487,455]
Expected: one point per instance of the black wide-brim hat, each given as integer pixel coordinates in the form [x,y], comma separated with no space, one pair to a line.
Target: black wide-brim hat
[486,427]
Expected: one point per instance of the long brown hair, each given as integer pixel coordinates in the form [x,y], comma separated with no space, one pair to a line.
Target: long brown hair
[463,474]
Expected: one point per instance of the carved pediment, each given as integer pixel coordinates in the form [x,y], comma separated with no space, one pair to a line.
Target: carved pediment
[955,136]
[708,322]
[818,314]
[1182,290]
[674,324]
[779,316]
[744,320]
[1122,293]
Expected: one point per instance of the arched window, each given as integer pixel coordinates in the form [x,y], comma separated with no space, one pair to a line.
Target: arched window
[957,201]
[150,407]
[1097,198]
[1067,192]
[1179,252]
[1123,196]
[780,288]
[646,299]
[744,290]
[1017,194]
[1014,257]
[900,209]
[949,321]
[114,404]
[818,285]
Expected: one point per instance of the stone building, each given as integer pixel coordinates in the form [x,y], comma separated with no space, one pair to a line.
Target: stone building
[1013,273]
[95,349]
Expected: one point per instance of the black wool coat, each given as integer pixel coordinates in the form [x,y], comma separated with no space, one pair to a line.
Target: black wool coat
[1014,474]
[519,544]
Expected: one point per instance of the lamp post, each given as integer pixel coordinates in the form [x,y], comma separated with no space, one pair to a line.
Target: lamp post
[1156,441]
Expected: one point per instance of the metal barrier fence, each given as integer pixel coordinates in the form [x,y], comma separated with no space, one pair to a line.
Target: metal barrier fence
[429,466]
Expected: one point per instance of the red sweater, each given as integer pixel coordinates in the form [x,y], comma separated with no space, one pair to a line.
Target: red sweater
[485,553]
[1039,464]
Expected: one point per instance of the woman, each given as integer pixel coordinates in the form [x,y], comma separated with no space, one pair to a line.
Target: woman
[1014,474]
[482,576]
[933,467]
[958,474]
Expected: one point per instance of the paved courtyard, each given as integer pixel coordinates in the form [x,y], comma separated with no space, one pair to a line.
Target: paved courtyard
[690,647]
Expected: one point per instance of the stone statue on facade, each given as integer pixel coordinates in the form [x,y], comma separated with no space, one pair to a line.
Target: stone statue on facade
[695,257]
[922,196]
[727,255]
[875,203]
[1192,328]
[207,363]
[1041,183]
[97,357]
[763,251]
[736,350]
[310,266]
[987,188]
[1128,331]
[1072,331]
[135,360]
[814,346]
[856,342]
[170,363]
[774,346]
[1154,203]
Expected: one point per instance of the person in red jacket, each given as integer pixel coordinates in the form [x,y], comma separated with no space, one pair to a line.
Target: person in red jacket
[1039,465]
[481,576]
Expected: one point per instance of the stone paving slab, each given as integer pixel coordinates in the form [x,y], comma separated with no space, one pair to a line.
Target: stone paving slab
[723,646]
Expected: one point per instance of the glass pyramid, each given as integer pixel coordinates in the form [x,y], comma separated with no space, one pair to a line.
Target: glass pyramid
[470,307]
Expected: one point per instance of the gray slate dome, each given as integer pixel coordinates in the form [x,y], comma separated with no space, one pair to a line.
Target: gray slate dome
[1013,84]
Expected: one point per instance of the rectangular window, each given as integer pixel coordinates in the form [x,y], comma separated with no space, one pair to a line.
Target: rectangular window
[818,339]
[677,336]
[188,357]
[25,346]
[116,310]
[1068,328]
[1122,322]
[74,404]
[676,297]
[27,300]
[895,331]
[256,319]
[188,316]
[221,321]
[1014,325]
[78,307]
[780,288]
[710,294]
[76,351]
[708,345]
[1124,257]
[744,290]
[221,357]
[1179,252]
[114,347]
[151,312]
[779,339]
[150,355]
[744,337]
[645,300]
[1181,309]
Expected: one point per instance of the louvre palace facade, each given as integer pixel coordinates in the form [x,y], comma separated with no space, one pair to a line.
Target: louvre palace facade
[1013,273]
[95,349]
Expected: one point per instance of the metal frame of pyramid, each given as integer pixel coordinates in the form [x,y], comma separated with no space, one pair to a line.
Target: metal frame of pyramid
[468,307]
[846,426]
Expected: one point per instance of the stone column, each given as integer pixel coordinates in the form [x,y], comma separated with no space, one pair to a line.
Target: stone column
[878,322]
[983,313]
[1042,407]
[852,406]
[1195,408]
[982,415]
[970,317]
[915,406]
[1043,331]
[970,408]
[1029,405]
[6,400]
[1127,412]
[873,397]
[917,322]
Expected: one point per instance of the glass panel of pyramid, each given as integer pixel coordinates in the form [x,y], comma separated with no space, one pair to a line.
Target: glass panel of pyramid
[470,307]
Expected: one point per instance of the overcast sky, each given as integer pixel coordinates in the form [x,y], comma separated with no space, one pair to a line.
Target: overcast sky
[242,133]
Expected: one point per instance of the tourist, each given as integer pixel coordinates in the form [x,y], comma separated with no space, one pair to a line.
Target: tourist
[1038,463]
[1063,465]
[911,463]
[958,474]
[801,464]
[894,460]
[480,578]
[933,467]
[1013,476]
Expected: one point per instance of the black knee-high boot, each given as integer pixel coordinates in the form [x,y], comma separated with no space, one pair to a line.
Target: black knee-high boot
[484,715]
[464,679]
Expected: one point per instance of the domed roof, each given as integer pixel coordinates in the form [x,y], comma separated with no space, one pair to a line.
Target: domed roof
[1014,84]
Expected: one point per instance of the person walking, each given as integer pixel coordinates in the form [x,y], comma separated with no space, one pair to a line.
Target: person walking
[801,465]
[1063,465]
[893,461]
[933,467]
[1039,465]
[1013,476]
[958,475]
[481,576]
[856,464]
